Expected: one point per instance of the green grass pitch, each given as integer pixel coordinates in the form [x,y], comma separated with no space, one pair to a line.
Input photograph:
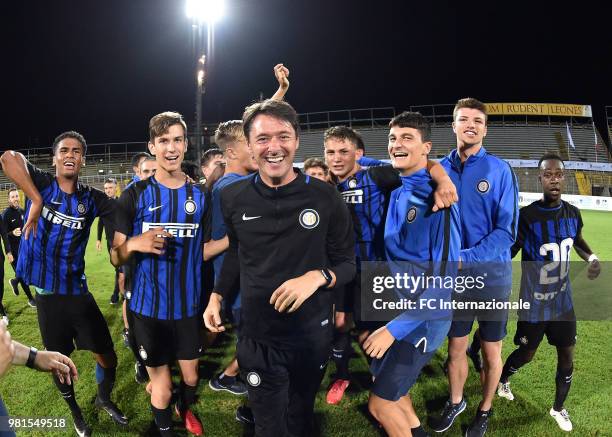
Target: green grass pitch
[29,393]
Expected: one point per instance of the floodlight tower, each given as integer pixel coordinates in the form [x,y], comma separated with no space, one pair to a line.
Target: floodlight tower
[202,13]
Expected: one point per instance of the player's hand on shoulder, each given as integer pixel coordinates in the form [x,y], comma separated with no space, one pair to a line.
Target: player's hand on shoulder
[594,269]
[31,225]
[445,195]
[293,292]
[153,241]
[378,342]
[212,314]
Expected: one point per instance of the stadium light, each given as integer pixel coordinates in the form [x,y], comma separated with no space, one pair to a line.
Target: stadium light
[208,11]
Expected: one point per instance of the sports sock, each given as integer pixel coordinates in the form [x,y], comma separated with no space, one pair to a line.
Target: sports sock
[106,380]
[517,359]
[563,381]
[341,354]
[67,392]
[163,420]
[187,396]
[26,289]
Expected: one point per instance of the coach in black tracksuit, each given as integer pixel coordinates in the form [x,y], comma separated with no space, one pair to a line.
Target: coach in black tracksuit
[290,243]
[12,217]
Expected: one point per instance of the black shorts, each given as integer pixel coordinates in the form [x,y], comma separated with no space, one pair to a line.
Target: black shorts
[282,385]
[66,321]
[559,333]
[161,342]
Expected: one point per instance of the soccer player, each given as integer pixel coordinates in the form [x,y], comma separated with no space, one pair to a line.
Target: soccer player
[547,231]
[166,217]
[290,241]
[7,249]
[366,193]
[240,163]
[13,223]
[416,241]
[110,189]
[488,206]
[148,166]
[136,161]
[59,216]
[211,159]
[316,168]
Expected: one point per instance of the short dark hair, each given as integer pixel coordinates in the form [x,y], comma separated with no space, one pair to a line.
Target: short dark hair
[344,133]
[550,156]
[413,120]
[228,132]
[471,103]
[274,108]
[160,123]
[11,190]
[70,134]
[209,155]
[110,181]
[316,162]
[135,161]
[191,169]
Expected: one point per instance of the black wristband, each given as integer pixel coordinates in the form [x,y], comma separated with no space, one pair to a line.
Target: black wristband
[31,357]
[327,276]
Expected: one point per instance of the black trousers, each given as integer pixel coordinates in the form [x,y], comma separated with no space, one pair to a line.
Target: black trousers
[282,385]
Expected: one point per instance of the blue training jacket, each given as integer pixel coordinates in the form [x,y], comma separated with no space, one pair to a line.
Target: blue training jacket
[419,241]
[488,209]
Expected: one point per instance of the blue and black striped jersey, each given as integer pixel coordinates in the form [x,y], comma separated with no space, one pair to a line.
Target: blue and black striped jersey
[54,260]
[366,194]
[167,286]
[546,237]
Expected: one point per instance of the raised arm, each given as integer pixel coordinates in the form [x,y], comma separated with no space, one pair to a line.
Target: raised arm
[15,167]
[282,76]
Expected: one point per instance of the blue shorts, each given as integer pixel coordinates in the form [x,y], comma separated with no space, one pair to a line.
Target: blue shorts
[490,330]
[397,371]
[492,323]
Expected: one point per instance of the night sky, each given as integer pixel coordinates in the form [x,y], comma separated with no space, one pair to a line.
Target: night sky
[105,67]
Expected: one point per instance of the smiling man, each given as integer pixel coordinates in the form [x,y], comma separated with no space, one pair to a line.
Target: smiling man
[548,229]
[488,207]
[59,215]
[290,242]
[417,242]
[166,218]
[366,193]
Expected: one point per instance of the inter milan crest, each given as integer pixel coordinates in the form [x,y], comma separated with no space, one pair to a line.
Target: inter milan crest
[483,186]
[412,213]
[309,218]
[253,379]
[81,208]
[352,183]
[190,206]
